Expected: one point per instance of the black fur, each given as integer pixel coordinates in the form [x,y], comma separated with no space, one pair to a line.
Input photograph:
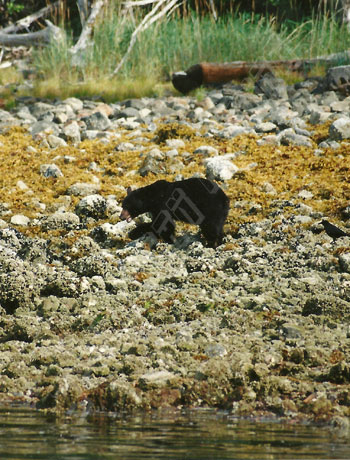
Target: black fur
[196,201]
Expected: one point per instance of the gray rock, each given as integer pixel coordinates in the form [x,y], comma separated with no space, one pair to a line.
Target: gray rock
[128,112]
[40,108]
[83,189]
[206,150]
[60,220]
[241,100]
[318,116]
[94,206]
[340,129]
[97,120]
[71,132]
[55,141]
[271,87]
[137,104]
[75,103]
[44,128]
[50,170]
[265,127]
[338,78]
[289,137]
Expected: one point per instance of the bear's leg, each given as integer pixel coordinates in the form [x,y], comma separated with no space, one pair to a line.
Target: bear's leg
[213,233]
[140,230]
[163,226]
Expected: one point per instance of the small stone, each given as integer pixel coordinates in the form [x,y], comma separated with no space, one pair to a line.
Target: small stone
[22,185]
[75,103]
[219,168]
[156,378]
[71,132]
[19,219]
[55,141]
[50,170]
[340,129]
[92,206]
[175,143]
[83,189]
[206,150]
[66,220]
[215,350]
[305,195]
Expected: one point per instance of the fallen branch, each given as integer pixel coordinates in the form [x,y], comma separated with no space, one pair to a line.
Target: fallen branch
[83,9]
[147,21]
[51,32]
[79,49]
[207,73]
[25,22]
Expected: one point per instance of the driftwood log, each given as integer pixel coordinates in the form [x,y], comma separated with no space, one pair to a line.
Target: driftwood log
[51,32]
[210,73]
[24,23]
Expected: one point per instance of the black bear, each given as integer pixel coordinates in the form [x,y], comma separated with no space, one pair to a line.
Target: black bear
[196,201]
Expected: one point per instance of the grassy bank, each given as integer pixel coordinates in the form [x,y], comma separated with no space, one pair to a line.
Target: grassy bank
[173,45]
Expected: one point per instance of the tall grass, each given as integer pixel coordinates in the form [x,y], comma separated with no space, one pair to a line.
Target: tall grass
[176,44]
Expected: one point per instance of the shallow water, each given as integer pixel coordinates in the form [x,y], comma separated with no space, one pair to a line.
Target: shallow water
[28,434]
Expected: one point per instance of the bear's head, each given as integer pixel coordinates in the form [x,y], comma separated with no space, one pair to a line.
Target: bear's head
[132,205]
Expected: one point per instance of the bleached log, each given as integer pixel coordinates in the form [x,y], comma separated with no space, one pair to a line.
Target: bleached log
[79,49]
[148,20]
[28,20]
[83,10]
[51,32]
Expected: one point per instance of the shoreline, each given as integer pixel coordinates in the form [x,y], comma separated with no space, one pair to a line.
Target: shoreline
[90,320]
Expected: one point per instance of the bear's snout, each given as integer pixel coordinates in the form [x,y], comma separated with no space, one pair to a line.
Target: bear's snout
[124,215]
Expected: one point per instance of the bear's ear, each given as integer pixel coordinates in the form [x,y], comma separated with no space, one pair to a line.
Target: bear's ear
[128,190]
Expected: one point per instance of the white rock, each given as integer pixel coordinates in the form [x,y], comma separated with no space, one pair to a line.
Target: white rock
[19,219]
[175,143]
[219,168]
[340,129]
[22,185]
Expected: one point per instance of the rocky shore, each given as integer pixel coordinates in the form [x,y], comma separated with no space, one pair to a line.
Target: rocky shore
[259,326]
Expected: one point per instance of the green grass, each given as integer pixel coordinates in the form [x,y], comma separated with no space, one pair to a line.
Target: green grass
[176,44]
